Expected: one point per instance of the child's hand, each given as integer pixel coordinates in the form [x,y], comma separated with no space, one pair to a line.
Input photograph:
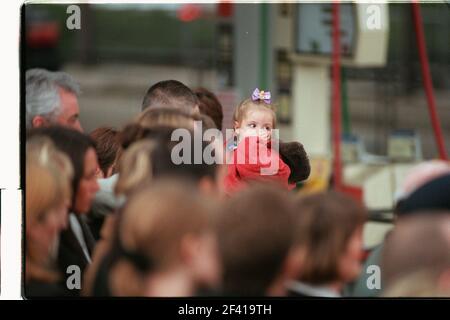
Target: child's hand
[264,136]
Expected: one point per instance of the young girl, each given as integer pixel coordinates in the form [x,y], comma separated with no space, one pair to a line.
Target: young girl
[252,155]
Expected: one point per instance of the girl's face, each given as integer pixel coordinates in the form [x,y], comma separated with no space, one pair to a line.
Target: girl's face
[256,122]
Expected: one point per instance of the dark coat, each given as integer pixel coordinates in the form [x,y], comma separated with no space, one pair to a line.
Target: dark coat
[70,251]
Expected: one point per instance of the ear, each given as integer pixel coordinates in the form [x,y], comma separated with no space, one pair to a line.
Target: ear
[38,121]
[236,127]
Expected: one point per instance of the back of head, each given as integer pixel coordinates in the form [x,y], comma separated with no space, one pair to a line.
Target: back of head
[157,156]
[107,148]
[170,94]
[154,231]
[324,225]
[210,106]
[157,226]
[153,118]
[254,234]
[418,244]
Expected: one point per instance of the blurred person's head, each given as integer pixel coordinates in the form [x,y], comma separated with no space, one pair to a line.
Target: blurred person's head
[170,94]
[421,284]
[81,151]
[166,244]
[210,106]
[107,146]
[419,246]
[254,236]
[206,122]
[41,151]
[329,239]
[152,118]
[47,195]
[152,157]
[51,98]
[422,174]
[432,196]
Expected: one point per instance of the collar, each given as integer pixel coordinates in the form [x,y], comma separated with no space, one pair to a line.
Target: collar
[312,291]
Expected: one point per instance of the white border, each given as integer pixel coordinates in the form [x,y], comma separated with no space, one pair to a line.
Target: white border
[9,161]
[11,232]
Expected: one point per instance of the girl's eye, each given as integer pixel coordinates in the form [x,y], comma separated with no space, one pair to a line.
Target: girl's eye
[268,128]
[252,125]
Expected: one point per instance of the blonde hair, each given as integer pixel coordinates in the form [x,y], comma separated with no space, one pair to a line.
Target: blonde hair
[41,150]
[155,229]
[135,167]
[242,109]
[48,176]
[154,117]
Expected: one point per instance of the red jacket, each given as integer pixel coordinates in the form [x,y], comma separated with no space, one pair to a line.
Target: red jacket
[261,164]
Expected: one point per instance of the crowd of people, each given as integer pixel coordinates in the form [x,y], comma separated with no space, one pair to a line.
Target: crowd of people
[112,213]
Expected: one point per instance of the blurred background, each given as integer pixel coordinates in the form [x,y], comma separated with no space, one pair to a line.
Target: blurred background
[122,49]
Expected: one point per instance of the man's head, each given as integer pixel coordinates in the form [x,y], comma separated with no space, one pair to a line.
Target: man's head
[51,98]
[418,245]
[170,94]
[255,234]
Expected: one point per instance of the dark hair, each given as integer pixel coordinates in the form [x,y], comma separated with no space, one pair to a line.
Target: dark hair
[254,237]
[71,142]
[107,147]
[324,224]
[431,197]
[210,106]
[170,94]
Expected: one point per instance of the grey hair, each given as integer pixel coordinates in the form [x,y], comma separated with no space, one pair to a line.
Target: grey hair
[66,81]
[42,96]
